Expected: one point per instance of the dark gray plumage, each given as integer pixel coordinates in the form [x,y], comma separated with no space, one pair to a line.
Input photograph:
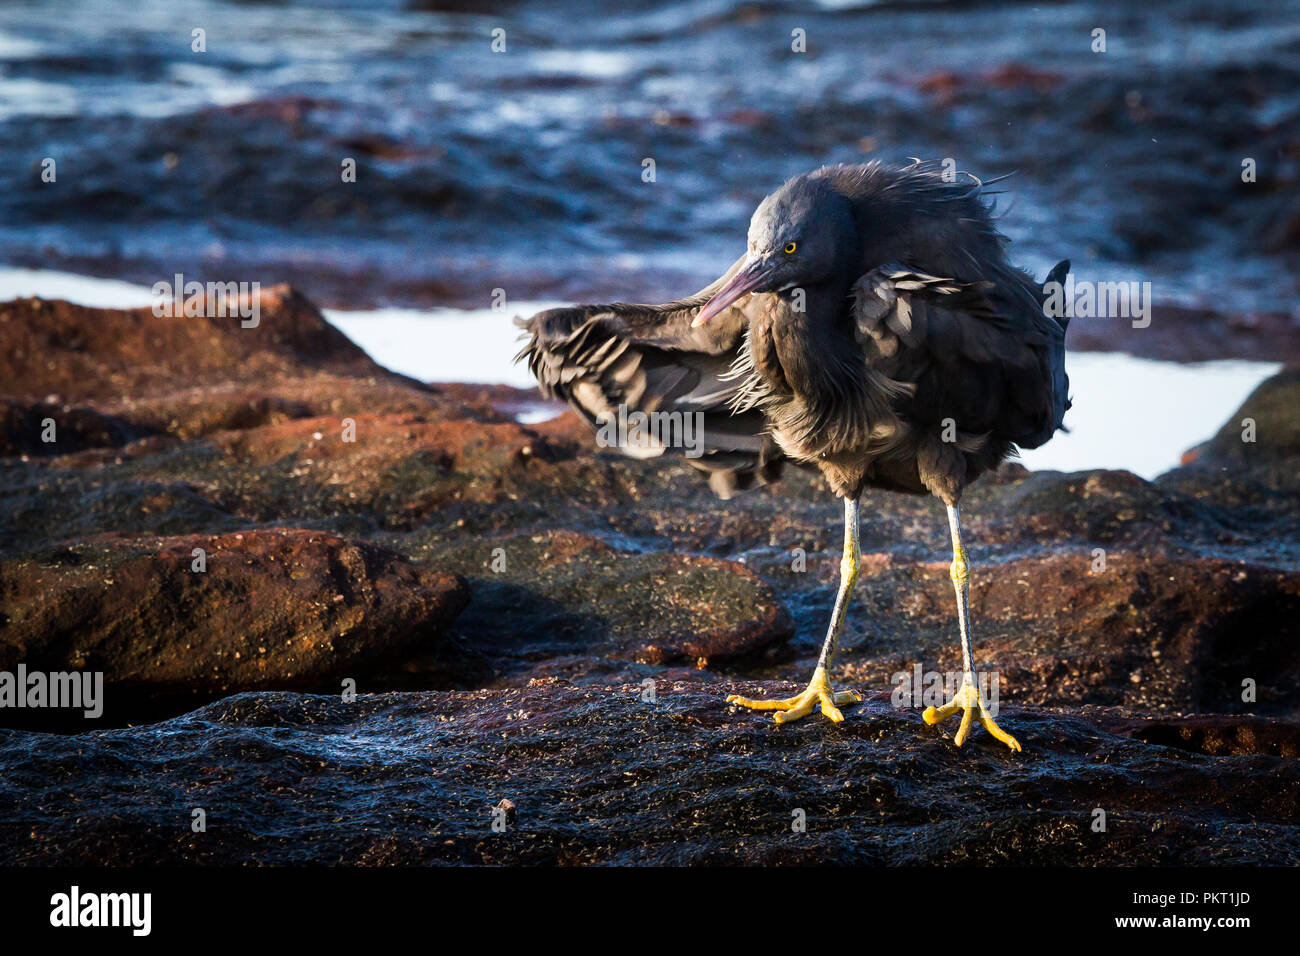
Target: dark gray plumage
[874,329]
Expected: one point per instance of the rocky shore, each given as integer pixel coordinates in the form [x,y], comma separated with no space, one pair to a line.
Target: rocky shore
[236,526]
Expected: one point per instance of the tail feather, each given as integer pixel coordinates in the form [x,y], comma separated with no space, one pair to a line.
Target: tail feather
[1060,380]
[1057,277]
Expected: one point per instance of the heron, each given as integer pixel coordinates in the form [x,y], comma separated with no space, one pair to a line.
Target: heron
[875,330]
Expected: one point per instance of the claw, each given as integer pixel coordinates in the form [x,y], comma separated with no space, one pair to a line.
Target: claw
[792,708]
[967,700]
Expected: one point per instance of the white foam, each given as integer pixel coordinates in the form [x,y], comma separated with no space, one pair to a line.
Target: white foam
[20,48]
[83,290]
[443,345]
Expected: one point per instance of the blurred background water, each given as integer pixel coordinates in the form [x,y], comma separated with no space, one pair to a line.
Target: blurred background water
[522,170]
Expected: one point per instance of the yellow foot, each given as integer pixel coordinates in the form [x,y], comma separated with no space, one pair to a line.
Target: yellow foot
[967,700]
[792,708]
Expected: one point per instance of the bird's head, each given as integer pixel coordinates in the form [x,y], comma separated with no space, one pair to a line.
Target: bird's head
[801,235]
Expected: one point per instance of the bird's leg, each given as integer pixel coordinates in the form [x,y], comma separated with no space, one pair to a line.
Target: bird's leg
[967,699]
[819,690]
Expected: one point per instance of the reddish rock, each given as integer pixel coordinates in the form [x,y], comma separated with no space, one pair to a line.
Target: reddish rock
[375,443]
[274,608]
[193,412]
[1151,633]
[1215,735]
[398,467]
[110,376]
[947,86]
[82,354]
[612,562]
[566,429]
[942,85]
[1015,76]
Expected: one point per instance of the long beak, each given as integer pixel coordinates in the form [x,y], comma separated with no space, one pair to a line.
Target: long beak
[750,277]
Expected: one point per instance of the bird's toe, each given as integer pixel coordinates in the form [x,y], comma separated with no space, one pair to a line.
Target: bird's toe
[968,702]
[830,710]
[754,704]
[802,708]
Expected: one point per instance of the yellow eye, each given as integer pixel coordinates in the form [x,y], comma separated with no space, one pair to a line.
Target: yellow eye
[789,248]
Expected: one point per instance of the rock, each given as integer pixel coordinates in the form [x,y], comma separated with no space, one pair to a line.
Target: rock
[82,354]
[47,428]
[1176,333]
[1247,476]
[564,593]
[1152,633]
[350,515]
[111,376]
[1265,429]
[193,412]
[1217,736]
[1098,587]
[274,608]
[602,775]
[399,466]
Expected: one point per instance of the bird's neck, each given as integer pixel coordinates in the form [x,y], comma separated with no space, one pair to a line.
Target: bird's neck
[814,343]
[816,309]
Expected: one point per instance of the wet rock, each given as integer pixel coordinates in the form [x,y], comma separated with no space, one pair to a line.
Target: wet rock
[1150,632]
[1217,736]
[949,87]
[43,506]
[193,412]
[567,601]
[606,775]
[399,468]
[615,570]
[1248,475]
[558,593]
[48,428]
[268,608]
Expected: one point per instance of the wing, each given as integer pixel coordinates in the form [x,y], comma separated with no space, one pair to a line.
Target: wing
[610,361]
[984,354]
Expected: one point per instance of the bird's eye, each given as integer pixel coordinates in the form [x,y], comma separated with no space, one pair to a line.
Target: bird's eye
[790,248]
